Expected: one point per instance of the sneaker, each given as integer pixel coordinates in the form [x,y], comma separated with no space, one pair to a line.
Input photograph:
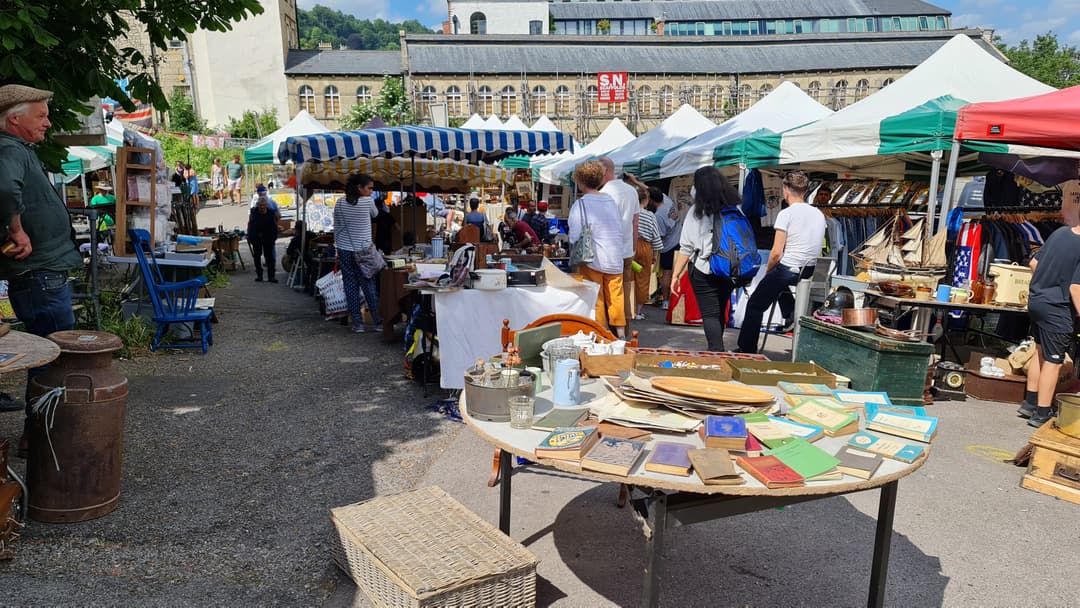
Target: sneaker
[358,329]
[789,326]
[1036,420]
[664,306]
[639,317]
[1026,410]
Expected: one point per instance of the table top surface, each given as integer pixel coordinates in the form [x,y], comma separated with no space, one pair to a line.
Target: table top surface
[522,442]
[203,262]
[950,305]
[36,351]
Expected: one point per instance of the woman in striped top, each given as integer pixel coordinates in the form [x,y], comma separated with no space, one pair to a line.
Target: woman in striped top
[352,233]
[646,247]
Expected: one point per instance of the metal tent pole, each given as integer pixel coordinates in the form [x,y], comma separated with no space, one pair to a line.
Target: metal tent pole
[950,182]
[931,199]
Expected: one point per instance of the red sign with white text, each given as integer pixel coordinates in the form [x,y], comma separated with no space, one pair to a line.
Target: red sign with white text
[611,87]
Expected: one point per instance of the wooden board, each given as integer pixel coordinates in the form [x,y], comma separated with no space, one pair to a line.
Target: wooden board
[1055,464]
[710,389]
[1050,488]
[531,341]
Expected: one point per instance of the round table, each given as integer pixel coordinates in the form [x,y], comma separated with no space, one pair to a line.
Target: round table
[673,500]
[35,350]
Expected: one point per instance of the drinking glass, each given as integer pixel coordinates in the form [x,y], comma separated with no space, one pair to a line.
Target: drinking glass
[521,411]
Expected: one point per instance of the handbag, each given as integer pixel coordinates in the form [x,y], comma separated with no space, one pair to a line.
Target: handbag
[583,250]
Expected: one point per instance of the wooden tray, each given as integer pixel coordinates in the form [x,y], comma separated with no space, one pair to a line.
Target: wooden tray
[710,389]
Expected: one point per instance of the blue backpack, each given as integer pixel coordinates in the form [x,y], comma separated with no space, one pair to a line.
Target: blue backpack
[735,255]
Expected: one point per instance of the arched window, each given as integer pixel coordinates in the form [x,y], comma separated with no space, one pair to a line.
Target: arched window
[363,94]
[644,100]
[487,101]
[508,101]
[428,96]
[539,101]
[697,97]
[746,97]
[840,95]
[307,99]
[862,89]
[764,90]
[453,101]
[477,23]
[814,91]
[591,105]
[716,99]
[562,100]
[667,100]
[333,101]
[887,82]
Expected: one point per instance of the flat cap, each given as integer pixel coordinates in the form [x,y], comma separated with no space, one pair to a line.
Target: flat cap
[14,94]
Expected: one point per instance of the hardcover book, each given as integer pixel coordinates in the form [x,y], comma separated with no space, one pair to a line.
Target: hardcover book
[560,417]
[714,467]
[833,422]
[567,443]
[857,464]
[670,458]
[803,388]
[909,426]
[614,456]
[769,434]
[808,432]
[770,471]
[610,429]
[889,448]
[805,458]
[728,432]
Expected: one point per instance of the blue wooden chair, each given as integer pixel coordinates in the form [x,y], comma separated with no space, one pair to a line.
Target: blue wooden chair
[173,302]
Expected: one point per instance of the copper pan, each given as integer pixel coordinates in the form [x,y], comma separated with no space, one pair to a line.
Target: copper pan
[858,317]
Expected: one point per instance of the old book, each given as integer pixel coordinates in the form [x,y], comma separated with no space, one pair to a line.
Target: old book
[560,417]
[830,475]
[804,388]
[613,456]
[567,443]
[753,447]
[770,471]
[896,409]
[610,429]
[728,432]
[769,434]
[714,467]
[805,458]
[862,397]
[909,426]
[827,401]
[856,463]
[887,447]
[670,458]
[833,422]
[809,432]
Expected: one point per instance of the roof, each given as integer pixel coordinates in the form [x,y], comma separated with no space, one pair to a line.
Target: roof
[311,63]
[682,55]
[718,10]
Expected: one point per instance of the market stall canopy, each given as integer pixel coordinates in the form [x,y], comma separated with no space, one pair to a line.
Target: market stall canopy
[397,173]
[785,108]
[493,123]
[1047,121]
[474,122]
[544,124]
[676,129]
[427,142]
[612,137]
[514,124]
[915,114]
[91,158]
[262,151]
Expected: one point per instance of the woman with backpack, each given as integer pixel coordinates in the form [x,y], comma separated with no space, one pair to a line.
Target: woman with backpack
[716,202]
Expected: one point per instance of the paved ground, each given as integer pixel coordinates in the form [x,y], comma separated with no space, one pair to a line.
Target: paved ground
[233,460]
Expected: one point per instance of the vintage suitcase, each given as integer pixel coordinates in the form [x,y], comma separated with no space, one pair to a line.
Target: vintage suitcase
[526,278]
[1055,464]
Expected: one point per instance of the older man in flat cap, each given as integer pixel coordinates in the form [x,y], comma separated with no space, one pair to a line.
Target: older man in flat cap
[39,250]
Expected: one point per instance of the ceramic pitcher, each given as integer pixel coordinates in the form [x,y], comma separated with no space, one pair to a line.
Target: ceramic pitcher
[567,386]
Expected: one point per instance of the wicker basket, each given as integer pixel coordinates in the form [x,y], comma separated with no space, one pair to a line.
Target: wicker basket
[423,548]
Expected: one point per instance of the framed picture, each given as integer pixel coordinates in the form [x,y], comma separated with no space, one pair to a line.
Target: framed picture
[524,190]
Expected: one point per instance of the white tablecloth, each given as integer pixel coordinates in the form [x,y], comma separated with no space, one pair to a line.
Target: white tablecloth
[469,322]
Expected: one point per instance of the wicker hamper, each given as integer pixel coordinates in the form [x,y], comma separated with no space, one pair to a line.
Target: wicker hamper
[423,548]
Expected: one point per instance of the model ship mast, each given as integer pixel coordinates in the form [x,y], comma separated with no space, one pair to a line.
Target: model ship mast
[909,252]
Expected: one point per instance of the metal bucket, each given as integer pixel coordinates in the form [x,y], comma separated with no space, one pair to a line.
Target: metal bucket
[491,403]
[1068,420]
[73,469]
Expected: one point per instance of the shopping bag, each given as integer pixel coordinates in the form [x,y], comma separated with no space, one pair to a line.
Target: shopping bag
[332,290]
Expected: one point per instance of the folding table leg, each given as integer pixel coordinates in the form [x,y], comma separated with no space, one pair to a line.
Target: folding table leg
[882,544]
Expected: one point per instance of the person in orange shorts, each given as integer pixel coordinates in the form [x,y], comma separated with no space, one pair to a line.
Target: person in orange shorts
[600,213]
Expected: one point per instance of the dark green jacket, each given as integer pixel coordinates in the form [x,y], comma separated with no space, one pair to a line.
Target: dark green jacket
[25,190]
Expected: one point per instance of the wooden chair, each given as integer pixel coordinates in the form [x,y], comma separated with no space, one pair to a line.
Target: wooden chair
[172,302]
[571,324]
[469,234]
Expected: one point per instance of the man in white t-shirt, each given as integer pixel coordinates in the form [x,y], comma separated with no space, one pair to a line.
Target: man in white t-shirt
[626,198]
[800,233]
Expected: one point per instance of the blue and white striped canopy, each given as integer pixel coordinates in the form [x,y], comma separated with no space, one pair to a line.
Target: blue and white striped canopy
[426,142]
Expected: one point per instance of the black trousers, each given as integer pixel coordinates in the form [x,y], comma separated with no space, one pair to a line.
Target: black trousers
[713,294]
[261,250]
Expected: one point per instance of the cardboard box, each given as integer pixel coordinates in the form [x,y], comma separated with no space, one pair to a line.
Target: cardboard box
[708,366]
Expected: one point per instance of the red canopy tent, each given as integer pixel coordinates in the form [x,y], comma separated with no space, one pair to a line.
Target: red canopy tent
[1048,121]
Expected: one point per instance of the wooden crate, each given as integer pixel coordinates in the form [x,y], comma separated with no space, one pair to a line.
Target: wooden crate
[873,363]
[764,373]
[595,366]
[1055,464]
[652,364]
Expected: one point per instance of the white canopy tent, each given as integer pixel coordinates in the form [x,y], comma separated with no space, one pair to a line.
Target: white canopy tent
[612,137]
[263,151]
[515,124]
[474,122]
[544,124]
[676,129]
[492,124]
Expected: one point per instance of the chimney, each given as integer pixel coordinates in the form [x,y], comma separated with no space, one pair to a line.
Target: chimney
[446,27]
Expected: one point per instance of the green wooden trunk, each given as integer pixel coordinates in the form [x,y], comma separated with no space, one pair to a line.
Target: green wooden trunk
[872,362]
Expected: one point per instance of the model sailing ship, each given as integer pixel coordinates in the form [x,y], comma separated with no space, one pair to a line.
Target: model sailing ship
[892,253]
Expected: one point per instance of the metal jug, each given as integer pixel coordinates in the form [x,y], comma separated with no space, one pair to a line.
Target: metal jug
[567,385]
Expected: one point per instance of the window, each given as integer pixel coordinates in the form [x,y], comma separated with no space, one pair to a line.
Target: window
[798,26]
[363,94]
[477,23]
[307,99]
[699,28]
[536,27]
[828,25]
[814,91]
[840,95]
[716,98]
[486,101]
[910,24]
[453,101]
[508,101]
[562,100]
[746,97]
[726,26]
[764,90]
[644,100]
[887,82]
[176,43]
[428,96]
[333,101]
[667,101]
[942,22]
[539,101]
[591,105]
[924,24]
[862,89]
[698,97]
[897,24]
[870,25]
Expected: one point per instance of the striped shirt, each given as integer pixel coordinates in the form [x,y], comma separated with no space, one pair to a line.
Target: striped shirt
[352,223]
[648,231]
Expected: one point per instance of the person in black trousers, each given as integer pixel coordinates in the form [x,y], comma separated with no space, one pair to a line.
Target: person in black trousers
[262,233]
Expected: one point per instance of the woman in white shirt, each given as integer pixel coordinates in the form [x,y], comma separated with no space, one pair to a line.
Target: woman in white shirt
[600,212]
[352,234]
[711,194]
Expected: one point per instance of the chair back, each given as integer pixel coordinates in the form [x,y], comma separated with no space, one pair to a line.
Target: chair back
[140,241]
[469,233]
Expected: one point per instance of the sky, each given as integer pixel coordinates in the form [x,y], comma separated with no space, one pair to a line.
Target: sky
[1013,20]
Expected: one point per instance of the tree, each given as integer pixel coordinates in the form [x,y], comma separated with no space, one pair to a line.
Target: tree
[182,117]
[254,125]
[76,49]
[1058,65]
[322,24]
[391,105]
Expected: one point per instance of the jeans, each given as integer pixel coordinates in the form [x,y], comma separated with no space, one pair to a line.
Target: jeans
[261,250]
[774,287]
[42,302]
[713,294]
[355,283]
